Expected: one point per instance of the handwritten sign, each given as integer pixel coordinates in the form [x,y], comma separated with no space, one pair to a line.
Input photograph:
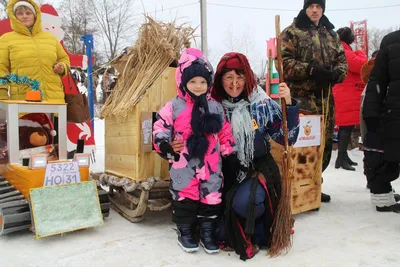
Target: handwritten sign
[62,173]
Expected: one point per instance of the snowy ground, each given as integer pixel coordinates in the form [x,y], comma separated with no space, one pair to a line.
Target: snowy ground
[346,232]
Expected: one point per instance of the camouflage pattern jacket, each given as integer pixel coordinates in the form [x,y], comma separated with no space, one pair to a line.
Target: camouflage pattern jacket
[303,42]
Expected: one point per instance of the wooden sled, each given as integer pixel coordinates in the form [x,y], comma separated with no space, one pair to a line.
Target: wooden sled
[133,205]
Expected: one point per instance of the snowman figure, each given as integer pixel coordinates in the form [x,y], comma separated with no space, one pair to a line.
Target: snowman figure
[51,22]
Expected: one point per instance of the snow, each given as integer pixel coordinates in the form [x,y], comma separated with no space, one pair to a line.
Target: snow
[346,232]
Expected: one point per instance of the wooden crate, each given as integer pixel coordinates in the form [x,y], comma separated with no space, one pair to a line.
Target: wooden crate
[125,152]
[306,186]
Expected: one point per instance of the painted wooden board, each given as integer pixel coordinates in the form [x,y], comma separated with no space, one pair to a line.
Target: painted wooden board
[66,208]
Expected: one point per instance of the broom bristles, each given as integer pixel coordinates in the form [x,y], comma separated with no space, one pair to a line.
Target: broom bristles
[281,240]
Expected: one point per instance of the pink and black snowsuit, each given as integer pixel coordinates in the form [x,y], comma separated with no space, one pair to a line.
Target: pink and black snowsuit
[196,175]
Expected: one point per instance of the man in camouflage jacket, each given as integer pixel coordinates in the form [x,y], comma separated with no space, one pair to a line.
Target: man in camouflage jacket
[313,62]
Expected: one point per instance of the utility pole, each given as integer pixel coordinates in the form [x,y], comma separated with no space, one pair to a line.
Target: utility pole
[203,21]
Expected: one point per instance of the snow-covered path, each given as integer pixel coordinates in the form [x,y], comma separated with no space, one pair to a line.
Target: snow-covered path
[346,232]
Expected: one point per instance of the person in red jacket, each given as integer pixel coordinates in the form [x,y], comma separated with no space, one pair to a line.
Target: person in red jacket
[347,97]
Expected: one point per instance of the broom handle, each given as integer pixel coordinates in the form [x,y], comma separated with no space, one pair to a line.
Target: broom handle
[280,72]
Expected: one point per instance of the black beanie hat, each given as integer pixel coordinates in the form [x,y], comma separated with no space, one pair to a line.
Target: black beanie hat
[346,35]
[307,3]
[198,68]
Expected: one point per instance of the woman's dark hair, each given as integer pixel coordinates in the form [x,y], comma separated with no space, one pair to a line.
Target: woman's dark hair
[375,53]
[346,35]
[218,89]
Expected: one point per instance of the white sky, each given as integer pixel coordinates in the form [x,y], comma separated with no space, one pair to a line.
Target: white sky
[256,26]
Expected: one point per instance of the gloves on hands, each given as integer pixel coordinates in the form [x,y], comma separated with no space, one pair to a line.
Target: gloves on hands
[167,150]
[235,163]
[335,76]
[319,72]
[323,74]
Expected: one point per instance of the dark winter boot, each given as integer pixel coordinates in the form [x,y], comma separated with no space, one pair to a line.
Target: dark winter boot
[393,208]
[185,238]
[184,215]
[341,161]
[207,236]
[352,163]
[325,198]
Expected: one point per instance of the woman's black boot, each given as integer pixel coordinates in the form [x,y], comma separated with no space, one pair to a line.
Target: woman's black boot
[342,158]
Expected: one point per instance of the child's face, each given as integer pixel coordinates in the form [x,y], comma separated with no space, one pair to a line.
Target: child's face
[197,86]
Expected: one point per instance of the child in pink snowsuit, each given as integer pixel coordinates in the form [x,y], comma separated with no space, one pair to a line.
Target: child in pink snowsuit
[196,176]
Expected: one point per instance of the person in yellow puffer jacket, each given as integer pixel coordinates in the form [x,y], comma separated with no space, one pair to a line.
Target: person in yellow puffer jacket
[28,51]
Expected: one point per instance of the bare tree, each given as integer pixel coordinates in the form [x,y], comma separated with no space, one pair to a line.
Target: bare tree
[243,42]
[114,19]
[3,8]
[77,21]
[376,35]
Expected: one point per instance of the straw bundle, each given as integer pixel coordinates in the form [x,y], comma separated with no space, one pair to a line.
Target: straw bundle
[158,45]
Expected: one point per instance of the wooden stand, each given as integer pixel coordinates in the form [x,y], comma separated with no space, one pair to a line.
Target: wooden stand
[132,206]
[306,187]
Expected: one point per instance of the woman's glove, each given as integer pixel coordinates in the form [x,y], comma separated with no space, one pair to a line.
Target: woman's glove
[167,150]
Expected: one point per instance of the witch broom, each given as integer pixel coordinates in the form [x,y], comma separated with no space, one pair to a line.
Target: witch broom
[283,223]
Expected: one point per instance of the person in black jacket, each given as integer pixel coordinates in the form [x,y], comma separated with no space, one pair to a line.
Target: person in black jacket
[381,113]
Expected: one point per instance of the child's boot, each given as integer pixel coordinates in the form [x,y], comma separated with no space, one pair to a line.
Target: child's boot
[185,238]
[207,235]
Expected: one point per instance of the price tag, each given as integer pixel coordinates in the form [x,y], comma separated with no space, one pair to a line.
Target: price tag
[62,173]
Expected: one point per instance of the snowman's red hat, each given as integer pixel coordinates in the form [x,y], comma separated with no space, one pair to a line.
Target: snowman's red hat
[48,9]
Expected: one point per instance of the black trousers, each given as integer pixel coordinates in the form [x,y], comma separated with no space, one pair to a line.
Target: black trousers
[379,172]
[344,137]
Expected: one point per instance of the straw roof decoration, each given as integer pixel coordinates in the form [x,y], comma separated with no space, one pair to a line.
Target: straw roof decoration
[157,46]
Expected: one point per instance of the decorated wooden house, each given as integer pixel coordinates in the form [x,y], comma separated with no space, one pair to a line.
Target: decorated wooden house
[137,176]
[128,143]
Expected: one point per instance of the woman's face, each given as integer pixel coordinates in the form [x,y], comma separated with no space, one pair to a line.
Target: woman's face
[26,16]
[233,83]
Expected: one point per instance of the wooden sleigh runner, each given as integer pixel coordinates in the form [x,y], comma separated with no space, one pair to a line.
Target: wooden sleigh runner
[133,203]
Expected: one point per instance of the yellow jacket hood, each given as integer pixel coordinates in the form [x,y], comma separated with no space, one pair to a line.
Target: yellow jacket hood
[17,26]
